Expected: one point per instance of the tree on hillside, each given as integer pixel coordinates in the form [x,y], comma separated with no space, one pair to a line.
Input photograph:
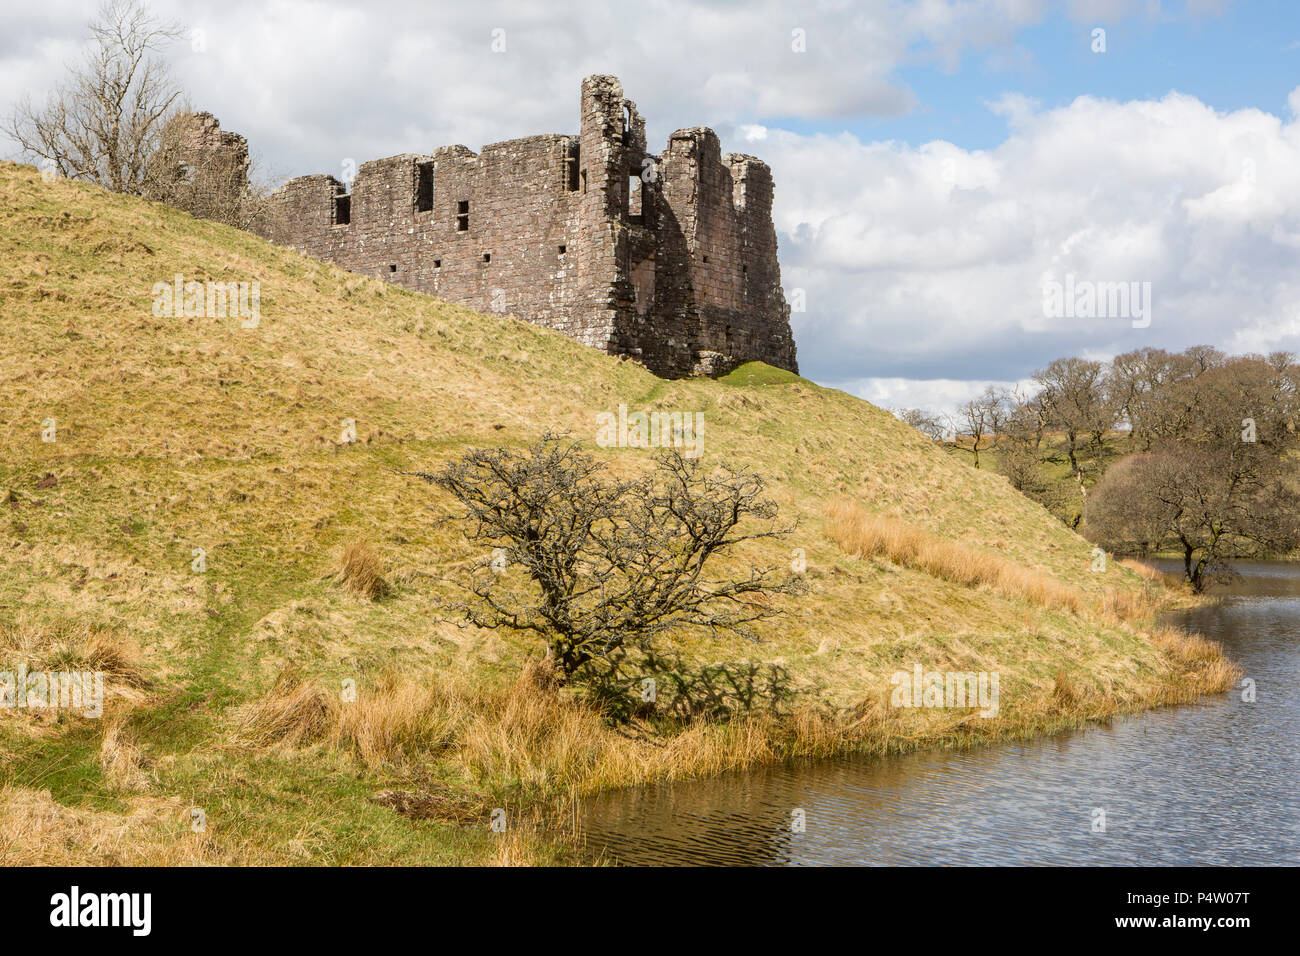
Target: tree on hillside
[1224,486]
[104,122]
[930,425]
[1075,403]
[1131,383]
[1170,410]
[1020,435]
[608,564]
[982,417]
[1026,419]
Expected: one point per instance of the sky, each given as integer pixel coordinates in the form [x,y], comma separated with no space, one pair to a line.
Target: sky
[939,165]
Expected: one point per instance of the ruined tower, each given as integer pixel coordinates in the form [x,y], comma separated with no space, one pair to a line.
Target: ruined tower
[669,259]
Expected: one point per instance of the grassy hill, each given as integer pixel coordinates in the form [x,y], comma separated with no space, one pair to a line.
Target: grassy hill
[227,738]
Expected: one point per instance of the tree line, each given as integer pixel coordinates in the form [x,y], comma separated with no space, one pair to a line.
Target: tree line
[1191,453]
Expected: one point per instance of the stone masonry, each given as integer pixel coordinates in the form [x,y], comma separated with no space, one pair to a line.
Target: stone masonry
[670,259]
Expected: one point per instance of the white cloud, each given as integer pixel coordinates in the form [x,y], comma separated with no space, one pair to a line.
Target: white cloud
[927,262]
[313,81]
[937,395]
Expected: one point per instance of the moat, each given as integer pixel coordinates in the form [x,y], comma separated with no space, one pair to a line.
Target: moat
[1207,783]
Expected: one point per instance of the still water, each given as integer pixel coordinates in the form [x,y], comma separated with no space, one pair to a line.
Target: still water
[1209,783]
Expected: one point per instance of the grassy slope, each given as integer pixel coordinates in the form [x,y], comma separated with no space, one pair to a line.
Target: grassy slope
[193,432]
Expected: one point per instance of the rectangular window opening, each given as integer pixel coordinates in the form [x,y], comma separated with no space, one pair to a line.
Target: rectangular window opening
[437,263]
[342,210]
[563,249]
[634,197]
[569,168]
[393,267]
[487,257]
[424,187]
[462,216]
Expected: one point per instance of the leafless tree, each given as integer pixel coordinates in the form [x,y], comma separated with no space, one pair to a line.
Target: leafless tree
[102,124]
[1075,403]
[1224,486]
[983,417]
[609,563]
[930,425]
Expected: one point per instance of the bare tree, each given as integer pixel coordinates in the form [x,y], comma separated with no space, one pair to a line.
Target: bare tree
[102,124]
[1223,487]
[983,417]
[609,563]
[1204,503]
[1131,384]
[1076,403]
[930,425]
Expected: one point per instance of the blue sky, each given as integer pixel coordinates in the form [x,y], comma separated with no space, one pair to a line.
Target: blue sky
[1247,56]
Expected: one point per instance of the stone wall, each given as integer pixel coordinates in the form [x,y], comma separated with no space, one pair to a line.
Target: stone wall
[668,259]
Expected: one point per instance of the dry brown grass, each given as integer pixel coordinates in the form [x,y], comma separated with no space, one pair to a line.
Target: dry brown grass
[867,535]
[515,849]
[36,830]
[293,713]
[1153,575]
[361,570]
[385,723]
[73,645]
[120,757]
[549,742]
[399,718]
[1200,664]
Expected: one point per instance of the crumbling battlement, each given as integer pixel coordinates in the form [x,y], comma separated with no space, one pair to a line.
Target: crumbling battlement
[669,259]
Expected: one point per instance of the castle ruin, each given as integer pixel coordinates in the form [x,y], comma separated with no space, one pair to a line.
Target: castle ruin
[668,259]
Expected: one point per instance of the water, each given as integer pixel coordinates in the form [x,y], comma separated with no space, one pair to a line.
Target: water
[1209,783]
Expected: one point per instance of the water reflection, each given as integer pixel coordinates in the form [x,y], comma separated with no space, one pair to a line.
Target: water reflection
[1211,783]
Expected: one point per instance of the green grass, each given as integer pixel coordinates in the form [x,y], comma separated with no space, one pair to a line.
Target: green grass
[760,373]
[188,432]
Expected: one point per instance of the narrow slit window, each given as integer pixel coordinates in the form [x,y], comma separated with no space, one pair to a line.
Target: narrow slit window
[633,197]
[487,257]
[462,216]
[569,168]
[424,187]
